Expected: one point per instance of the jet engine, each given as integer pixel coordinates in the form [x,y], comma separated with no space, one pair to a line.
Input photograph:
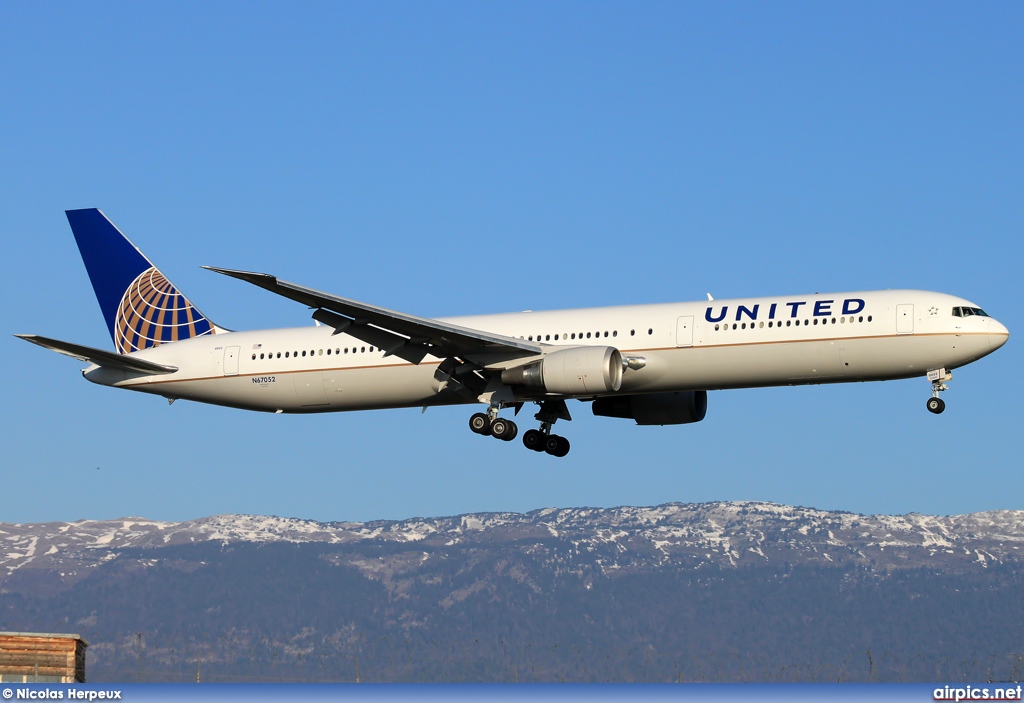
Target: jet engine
[572,371]
[677,408]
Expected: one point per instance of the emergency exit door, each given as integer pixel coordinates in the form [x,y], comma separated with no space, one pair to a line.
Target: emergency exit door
[684,331]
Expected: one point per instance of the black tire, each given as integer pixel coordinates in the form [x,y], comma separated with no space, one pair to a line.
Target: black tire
[551,444]
[534,439]
[480,423]
[556,445]
[505,430]
[936,405]
[500,429]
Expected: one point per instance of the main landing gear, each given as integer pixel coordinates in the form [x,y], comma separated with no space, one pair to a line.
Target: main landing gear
[543,441]
[497,427]
[938,377]
[540,440]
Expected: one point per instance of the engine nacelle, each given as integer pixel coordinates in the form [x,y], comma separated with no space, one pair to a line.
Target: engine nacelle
[572,371]
[655,408]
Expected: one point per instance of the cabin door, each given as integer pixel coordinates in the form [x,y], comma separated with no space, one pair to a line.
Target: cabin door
[231,360]
[904,318]
[684,331]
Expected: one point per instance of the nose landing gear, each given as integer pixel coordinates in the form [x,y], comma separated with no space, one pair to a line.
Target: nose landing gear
[938,377]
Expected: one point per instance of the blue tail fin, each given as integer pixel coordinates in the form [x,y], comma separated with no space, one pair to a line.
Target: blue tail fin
[141,307]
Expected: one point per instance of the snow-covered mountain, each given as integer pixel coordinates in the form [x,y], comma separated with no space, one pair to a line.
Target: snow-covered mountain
[704,592]
[730,534]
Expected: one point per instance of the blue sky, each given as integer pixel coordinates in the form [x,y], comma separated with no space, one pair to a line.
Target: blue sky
[459,158]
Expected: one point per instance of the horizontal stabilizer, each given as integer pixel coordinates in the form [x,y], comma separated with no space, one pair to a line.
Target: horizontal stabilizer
[100,357]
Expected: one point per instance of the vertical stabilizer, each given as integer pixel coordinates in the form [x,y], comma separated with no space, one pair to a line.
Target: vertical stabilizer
[141,307]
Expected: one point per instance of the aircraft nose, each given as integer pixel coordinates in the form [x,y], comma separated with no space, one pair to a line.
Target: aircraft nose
[997,334]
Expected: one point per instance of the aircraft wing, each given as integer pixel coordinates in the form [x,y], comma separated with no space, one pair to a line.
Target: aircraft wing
[100,357]
[406,336]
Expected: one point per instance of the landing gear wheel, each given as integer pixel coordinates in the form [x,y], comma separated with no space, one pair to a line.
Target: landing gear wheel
[504,429]
[480,423]
[556,445]
[534,439]
[936,405]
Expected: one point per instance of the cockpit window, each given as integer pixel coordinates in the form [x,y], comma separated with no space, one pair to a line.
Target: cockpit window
[967,312]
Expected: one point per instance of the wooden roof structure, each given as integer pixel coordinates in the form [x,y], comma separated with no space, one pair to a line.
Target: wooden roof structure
[27,657]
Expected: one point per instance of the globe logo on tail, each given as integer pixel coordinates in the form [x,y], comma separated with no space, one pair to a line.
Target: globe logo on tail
[153,312]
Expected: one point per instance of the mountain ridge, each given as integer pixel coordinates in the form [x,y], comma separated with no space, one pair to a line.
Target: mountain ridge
[724,533]
[718,591]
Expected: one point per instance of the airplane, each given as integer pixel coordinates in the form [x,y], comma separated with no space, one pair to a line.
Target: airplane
[653,364]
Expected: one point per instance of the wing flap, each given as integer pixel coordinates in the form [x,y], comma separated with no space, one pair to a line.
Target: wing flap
[100,357]
[406,336]
[410,350]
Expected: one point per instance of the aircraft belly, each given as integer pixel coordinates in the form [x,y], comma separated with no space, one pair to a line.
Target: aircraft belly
[309,389]
[267,393]
[392,386]
[312,391]
[804,362]
[907,356]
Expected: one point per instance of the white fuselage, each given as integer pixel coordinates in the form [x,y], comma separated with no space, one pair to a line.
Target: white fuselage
[742,343]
